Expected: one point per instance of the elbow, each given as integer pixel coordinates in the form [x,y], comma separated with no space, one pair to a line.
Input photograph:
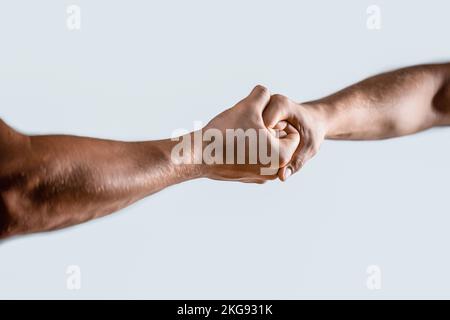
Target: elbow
[14,206]
[6,224]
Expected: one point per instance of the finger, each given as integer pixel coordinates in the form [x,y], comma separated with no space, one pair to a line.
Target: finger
[280,108]
[254,181]
[258,180]
[285,147]
[290,129]
[301,155]
[281,125]
[260,97]
[288,145]
[279,130]
[277,110]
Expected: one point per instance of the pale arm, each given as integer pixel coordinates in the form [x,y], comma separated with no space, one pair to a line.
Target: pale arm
[388,105]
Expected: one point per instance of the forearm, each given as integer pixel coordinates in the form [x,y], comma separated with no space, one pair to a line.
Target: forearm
[392,104]
[57,181]
[49,182]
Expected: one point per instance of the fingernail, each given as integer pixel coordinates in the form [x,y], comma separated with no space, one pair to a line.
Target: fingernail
[287,173]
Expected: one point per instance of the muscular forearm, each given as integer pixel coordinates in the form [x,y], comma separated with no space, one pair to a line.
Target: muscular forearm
[392,104]
[57,181]
[49,182]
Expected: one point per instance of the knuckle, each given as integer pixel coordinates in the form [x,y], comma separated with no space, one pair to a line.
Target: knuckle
[279,100]
[304,133]
[297,164]
[308,144]
[261,88]
[263,91]
[308,133]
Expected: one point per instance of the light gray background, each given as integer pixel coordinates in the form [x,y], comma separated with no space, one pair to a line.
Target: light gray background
[140,69]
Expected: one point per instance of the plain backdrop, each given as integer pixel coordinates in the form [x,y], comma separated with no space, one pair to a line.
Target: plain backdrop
[141,69]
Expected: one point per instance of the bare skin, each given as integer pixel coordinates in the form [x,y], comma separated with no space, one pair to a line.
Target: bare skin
[51,182]
[388,105]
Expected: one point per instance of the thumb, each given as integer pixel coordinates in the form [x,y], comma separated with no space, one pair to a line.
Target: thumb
[299,157]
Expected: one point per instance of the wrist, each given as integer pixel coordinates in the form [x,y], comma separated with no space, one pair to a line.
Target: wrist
[182,156]
[322,116]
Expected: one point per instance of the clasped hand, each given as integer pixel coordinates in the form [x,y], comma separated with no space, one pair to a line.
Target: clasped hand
[297,129]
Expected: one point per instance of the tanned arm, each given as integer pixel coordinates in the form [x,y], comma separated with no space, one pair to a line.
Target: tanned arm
[388,105]
[50,182]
